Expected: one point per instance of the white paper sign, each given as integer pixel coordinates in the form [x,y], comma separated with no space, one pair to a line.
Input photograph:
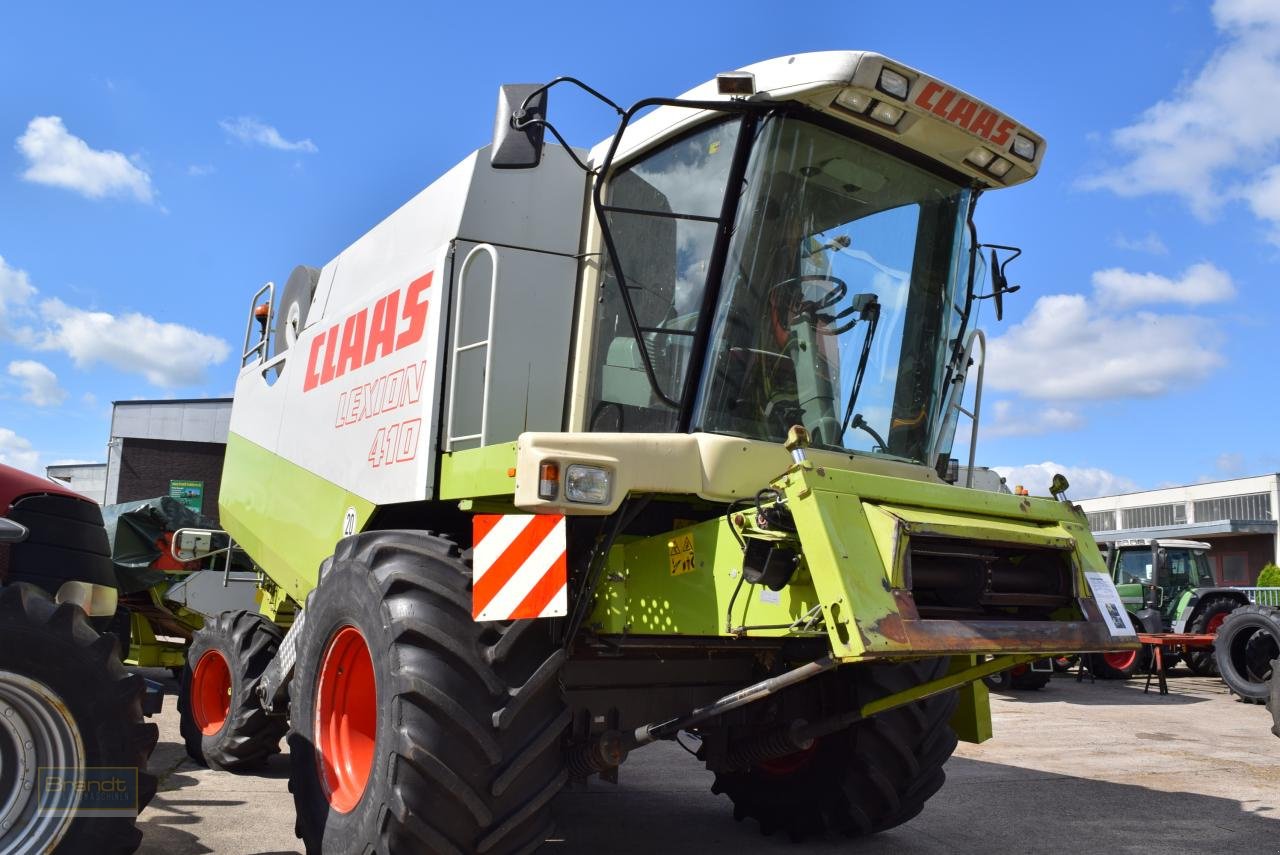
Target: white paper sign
[1108,600]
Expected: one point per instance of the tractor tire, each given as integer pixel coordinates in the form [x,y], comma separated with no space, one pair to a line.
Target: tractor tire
[73,706]
[1017,678]
[221,721]
[1273,698]
[1028,680]
[1247,644]
[999,682]
[872,776]
[415,727]
[1209,617]
[1119,665]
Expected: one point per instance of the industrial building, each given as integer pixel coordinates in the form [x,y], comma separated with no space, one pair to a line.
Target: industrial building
[168,448]
[87,479]
[1237,517]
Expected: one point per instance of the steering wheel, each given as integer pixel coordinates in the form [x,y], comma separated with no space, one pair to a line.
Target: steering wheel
[835,295]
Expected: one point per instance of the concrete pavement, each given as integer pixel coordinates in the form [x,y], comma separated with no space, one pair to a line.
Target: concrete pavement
[1092,768]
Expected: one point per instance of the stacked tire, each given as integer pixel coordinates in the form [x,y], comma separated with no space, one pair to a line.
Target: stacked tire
[1247,644]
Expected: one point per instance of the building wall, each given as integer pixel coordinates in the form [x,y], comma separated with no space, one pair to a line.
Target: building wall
[1249,552]
[1252,499]
[148,465]
[87,479]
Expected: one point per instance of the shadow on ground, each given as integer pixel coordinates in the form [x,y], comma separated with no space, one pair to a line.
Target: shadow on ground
[1113,692]
[981,809]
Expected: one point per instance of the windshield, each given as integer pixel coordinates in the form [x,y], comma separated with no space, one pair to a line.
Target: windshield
[838,299]
[836,303]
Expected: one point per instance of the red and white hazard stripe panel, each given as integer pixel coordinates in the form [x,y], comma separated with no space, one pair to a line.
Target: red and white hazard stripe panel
[519,568]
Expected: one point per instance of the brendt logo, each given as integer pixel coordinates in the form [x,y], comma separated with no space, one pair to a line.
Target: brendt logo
[369,334]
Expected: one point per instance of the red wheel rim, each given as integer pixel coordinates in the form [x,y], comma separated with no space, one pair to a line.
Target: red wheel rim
[1215,622]
[211,692]
[346,725]
[1121,661]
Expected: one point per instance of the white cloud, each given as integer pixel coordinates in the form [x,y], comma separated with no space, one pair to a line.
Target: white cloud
[58,158]
[254,132]
[1201,283]
[1229,464]
[199,170]
[41,383]
[1086,481]
[17,451]
[1149,243]
[1207,141]
[1011,420]
[167,354]
[16,292]
[1067,349]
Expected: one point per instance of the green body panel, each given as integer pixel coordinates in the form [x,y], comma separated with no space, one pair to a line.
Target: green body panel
[641,593]
[852,530]
[287,518]
[1131,594]
[972,719]
[1174,611]
[275,604]
[478,472]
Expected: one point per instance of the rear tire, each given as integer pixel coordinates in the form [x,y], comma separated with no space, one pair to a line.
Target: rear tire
[1029,680]
[457,746]
[873,776]
[1208,620]
[1246,646]
[222,722]
[64,681]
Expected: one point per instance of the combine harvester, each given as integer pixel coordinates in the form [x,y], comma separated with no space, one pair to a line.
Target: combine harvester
[578,451]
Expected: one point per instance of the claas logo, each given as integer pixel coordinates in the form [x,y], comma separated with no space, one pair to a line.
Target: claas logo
[393,324]
[965,113]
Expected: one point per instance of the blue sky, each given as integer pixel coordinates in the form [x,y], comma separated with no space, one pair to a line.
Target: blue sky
[159,163]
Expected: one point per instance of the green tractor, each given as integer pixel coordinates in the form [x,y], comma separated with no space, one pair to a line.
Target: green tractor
[1168,587]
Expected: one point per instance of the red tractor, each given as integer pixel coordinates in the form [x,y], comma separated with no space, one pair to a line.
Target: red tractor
[73,742]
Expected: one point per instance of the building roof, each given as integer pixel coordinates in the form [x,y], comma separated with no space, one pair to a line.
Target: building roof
[1190,531]
[162,401]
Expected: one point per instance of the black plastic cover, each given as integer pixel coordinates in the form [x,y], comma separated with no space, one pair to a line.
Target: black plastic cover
[518,148]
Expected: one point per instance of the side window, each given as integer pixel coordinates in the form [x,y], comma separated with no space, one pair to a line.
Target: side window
[663,231]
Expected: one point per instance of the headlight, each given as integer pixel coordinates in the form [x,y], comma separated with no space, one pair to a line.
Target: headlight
[893,83]
[586,484]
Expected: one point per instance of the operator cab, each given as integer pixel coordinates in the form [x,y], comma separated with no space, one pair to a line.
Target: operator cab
[791,244]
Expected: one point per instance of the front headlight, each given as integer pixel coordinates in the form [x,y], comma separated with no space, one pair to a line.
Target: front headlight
[588,485]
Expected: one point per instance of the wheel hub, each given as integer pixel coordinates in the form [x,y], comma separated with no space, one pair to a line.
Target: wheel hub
[211,692]
[346,724]
[1120,660]
[36,731]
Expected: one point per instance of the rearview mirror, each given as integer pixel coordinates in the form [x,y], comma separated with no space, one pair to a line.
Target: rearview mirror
[192,544]
[518,129]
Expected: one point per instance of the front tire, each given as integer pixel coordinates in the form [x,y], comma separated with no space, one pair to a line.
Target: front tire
[73,706]
[872,776]
[416,728]
[222,722]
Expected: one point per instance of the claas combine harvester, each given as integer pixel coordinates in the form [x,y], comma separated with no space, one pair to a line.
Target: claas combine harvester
[577,451]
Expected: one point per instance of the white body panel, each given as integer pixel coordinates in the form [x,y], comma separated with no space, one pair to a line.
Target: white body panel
[361,396]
